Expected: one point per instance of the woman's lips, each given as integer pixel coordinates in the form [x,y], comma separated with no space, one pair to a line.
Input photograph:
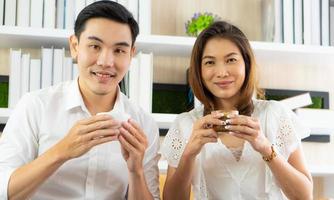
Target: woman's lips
[224,84]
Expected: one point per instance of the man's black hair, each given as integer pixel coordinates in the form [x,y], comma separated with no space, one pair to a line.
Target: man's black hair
[109,10]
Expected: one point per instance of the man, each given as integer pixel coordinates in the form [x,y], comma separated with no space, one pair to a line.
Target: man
[54,146]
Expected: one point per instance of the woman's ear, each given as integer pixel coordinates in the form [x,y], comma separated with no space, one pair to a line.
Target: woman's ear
[74,43]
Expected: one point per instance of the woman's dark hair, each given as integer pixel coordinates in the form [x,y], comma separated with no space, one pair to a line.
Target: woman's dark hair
[222,29]
[109,10]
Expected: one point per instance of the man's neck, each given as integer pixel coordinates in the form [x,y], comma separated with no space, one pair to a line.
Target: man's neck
[96,103]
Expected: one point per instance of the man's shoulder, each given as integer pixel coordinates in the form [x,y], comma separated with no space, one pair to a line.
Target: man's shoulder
[52,91]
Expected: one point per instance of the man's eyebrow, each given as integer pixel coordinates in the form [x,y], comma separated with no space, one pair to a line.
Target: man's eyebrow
[126,44]
[95,38]
[122,44]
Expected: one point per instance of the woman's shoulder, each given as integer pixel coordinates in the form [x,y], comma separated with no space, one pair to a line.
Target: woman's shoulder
[271,107]
[190,116]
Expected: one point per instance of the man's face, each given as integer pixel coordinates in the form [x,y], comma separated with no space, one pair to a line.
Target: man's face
[103,54]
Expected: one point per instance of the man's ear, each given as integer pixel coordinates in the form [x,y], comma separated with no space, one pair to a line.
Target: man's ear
[74,43]
[133,51]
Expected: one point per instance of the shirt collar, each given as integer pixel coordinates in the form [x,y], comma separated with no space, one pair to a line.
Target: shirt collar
[74,98]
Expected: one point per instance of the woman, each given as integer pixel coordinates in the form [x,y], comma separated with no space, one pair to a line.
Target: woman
[260,157]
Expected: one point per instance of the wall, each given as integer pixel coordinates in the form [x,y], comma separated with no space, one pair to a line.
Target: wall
[169,18]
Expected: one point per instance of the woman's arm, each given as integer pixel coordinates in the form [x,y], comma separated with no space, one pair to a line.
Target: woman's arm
[178,181]
[292,176]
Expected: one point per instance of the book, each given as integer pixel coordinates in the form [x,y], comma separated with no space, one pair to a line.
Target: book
[307,22]
[145,81]
[67,69]
[10,13]
[141,81]
[134,80]
[49,19]
[23,13]
[2,11]
[79,5]
[325,22]
[144,17]
[88,2]
[133,7]
[69,14]
[298,22]
[35,75]
[331,25]
[288,21]
[47,64]
[320,121]
[60,14]
[58,62]
[36,13]
[25,70]
[298,101]
[315,22]
[14,77]
[278,37]
[75,71]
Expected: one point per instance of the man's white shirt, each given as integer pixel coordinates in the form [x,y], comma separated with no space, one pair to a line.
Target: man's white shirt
[43,118]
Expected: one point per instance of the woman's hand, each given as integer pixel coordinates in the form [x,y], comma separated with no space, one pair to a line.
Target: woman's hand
[203,133]
[249,129]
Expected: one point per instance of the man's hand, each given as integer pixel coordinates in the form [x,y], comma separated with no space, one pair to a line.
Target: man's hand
[133,144]
[86,134]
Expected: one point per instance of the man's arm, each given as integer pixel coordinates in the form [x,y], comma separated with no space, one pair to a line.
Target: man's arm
[81,138]
[133,145]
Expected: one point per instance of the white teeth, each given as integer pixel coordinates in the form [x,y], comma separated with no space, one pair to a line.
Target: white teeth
[103,75]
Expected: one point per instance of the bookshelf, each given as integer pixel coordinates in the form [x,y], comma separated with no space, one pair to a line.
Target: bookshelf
[285,57]
[266,52]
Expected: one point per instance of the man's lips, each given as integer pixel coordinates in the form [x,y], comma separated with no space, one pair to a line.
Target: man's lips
[104,74]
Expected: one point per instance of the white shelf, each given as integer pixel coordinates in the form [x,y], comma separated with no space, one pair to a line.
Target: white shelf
[165,45]
[316,171]
[27,37]
[321,171]
[4,114]
[164,120]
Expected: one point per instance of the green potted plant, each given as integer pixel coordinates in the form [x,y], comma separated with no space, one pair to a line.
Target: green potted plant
[199,22]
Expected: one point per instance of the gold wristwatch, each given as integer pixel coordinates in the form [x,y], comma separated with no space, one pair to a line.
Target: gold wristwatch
[271,156]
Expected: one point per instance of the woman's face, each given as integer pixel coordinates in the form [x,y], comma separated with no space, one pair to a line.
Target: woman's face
[223,69]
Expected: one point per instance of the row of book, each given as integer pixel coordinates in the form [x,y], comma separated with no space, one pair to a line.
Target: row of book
[139,81]
[28,74]
[304,22]
[60,14]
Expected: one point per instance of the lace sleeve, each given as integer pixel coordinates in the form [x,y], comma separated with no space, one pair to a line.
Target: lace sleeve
[290,131]
[175,142]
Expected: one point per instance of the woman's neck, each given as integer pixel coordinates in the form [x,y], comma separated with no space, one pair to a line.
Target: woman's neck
[226,105]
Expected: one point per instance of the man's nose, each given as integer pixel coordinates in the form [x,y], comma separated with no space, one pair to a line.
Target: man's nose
[106,59]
